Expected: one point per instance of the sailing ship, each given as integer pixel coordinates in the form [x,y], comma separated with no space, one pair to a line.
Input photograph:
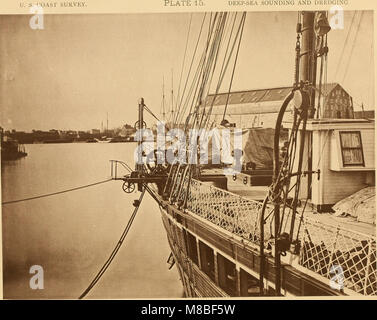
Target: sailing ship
[264,230]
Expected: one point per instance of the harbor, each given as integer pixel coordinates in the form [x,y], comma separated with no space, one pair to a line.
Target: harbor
[71,240]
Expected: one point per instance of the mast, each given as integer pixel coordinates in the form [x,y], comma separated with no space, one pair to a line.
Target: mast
[107,122]
[163,98]
[308,62]
[307,83]
[172,98]
[139,126]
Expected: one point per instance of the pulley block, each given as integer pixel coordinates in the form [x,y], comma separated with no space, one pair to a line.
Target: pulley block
[128,187]
[137,125]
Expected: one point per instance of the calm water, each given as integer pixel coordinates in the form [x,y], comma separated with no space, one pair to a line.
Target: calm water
[72,234]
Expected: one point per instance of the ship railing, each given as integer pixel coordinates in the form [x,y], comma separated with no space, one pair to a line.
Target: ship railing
[346,257]
[118,168]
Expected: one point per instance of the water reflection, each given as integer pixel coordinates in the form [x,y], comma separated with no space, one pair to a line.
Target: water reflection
[71,235]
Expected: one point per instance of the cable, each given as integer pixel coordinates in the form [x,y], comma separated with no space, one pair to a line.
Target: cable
[192,61]
[201,78]
[183,63]
[115,250]
[151,113]
[223,67]
[55,193]
[344,46]
[353,46]
[235,63]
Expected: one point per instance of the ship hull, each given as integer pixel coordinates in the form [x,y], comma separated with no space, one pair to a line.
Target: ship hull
[215,263]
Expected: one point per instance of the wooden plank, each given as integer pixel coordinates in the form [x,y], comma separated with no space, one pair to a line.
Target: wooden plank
[294,281]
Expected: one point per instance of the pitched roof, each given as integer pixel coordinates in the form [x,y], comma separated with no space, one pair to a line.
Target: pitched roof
[255,96]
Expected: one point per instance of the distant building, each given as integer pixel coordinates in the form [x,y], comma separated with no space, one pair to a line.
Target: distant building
[260,107]
[127,131]
[367,114]
[109,132]
[95,131]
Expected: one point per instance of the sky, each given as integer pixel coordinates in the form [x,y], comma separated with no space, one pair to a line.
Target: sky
[81,67]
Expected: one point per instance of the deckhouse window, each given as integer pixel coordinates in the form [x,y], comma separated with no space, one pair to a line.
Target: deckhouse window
[352,148]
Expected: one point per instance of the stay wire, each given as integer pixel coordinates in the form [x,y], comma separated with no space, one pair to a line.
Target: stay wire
[221,76]
[192,60]
[223,66]
[56,193]
[183,64]
[353,47]
[344,46]
[213,69]
[115,250]
[235,63]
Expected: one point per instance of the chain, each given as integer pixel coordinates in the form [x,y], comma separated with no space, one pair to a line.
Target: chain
[298,52]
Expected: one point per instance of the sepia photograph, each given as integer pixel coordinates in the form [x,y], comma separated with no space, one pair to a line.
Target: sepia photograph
[179,155]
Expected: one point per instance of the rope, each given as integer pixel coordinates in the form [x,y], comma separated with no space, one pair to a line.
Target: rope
[320,85]
[353,47]
[242,24]
[178,104]
[115,250]
[55,193]
[191,64]
[210,66]
[344,46]
[151,113]
[223,69]
[311,184]
[205,72]
[208,84]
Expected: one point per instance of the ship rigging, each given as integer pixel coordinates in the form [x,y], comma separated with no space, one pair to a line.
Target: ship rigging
[225,244]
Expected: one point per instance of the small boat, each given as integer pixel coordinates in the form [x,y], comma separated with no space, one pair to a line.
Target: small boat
[103,140]
[11,149]
[121,139]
